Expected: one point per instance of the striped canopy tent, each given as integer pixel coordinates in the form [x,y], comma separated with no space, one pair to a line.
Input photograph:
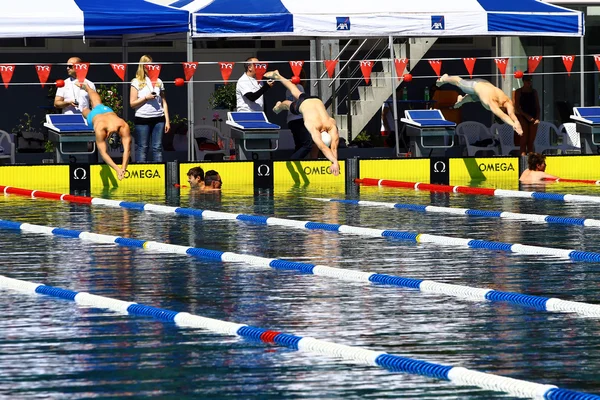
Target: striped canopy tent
[77,18]
[360,18]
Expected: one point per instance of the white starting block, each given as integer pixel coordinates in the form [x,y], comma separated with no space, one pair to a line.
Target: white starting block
[587,120]
[252,134]
[70,134]
[428,129]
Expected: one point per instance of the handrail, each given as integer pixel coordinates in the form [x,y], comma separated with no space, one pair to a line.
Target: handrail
[350,59]
[336,58]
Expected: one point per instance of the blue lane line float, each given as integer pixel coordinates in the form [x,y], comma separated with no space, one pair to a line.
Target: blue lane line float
[473,213]
[391,362]
[427,286]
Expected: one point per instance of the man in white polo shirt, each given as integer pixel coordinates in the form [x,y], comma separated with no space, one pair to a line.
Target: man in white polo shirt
[248,91]
[71,98]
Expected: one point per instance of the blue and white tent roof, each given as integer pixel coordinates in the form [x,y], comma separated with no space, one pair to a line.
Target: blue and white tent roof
[72,18]
[346,18]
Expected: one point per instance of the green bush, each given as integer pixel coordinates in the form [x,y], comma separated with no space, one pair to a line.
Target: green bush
[223,97]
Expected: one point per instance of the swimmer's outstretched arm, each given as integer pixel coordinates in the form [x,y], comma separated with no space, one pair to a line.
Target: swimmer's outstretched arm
[94,96]
[286,82]
[327,152]
[103,151]
[507,120]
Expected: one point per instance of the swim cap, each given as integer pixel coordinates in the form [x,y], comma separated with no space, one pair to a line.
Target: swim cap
[114,140]
[326,138]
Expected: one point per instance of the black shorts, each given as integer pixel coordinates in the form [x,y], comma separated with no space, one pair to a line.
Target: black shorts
[295,106]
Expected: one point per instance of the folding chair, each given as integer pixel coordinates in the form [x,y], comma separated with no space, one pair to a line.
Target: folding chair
[7,147]
[506,136]
[471,132]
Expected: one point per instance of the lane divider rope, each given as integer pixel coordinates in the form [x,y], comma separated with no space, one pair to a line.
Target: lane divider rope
[478,191]
[572,254]
[391,362]
[427,286]
[470,212]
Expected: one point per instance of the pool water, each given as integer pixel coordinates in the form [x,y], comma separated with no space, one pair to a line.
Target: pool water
[51,348]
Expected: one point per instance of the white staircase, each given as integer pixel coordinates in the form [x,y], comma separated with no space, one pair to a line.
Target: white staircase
[383,84]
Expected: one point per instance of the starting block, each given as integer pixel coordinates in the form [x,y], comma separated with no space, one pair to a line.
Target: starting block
[70,134]
[587,120]
[252,134]
[428,130]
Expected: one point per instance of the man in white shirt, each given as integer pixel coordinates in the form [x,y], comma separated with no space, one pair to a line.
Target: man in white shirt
[248,91]
[71,98]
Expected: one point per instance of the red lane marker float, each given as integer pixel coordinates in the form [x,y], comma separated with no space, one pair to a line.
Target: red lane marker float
[426,186]
[47,195]
[269,336]
[588,181]
[78,199]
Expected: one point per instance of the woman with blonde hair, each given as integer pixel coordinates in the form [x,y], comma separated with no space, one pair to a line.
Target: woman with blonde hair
[151,112]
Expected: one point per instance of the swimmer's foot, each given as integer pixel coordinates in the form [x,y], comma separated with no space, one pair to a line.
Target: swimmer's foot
[278,107]
[272,75]
[442,80]
[459,100]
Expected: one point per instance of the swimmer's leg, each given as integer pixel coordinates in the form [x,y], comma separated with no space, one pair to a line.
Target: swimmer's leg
[281,106]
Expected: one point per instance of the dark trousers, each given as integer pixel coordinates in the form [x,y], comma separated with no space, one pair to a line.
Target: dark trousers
[302,139]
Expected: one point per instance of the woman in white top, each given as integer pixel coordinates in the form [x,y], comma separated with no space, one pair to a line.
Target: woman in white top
[151,113]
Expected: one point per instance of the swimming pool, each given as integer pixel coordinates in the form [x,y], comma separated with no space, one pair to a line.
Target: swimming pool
[54,349]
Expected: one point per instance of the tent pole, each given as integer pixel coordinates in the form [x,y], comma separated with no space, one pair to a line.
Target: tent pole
[125,58]
[190,94]
[314,71]
[393,86]
[582,72]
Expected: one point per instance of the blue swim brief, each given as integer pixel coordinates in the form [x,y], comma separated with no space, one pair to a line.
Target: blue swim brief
[99,109]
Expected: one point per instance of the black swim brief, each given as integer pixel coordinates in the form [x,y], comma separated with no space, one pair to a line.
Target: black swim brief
[295,106]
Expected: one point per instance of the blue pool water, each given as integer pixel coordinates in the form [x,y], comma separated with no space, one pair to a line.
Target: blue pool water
[52,348]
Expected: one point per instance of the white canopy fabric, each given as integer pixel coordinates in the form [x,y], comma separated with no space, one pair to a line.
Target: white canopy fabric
[73,18]
[359,18]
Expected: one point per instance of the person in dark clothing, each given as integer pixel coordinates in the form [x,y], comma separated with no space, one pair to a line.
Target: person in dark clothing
[527,107]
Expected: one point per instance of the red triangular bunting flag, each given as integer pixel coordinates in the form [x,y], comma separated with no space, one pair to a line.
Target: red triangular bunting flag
[501,63]
[532,63]
[437,66]
[6,71]
[597,60]
[470,64]
[330,65]
[400,64]
[296,67]
[568,61]
[260,68]
[43,71]
[153,71]
[226,69]
[81,70]
[366,66]
[119,70]
[189,69]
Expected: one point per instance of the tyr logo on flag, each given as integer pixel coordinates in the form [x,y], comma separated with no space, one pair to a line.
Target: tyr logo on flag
[43,71]
[296,67]
[400,65]
[501,63]
[436,65]
[568,61]
[6,71]
[119,69]
[366,67]
[153,71]
[81,70]
[330,65]
[532,63]
[189,69]
[470,64]
[260,69]
[226,70]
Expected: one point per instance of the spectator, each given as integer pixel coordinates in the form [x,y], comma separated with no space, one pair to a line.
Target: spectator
[71,98]
[248,91]
[302,140]
[151,113]
[527,107]
[196,177]
[536,171]
[212,180]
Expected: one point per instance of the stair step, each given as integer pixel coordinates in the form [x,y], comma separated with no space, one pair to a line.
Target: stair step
[365,92]
[380,79]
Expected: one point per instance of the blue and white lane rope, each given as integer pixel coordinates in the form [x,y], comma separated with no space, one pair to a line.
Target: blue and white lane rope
[427,286]
[470,212]
[575,255]
[394,363]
